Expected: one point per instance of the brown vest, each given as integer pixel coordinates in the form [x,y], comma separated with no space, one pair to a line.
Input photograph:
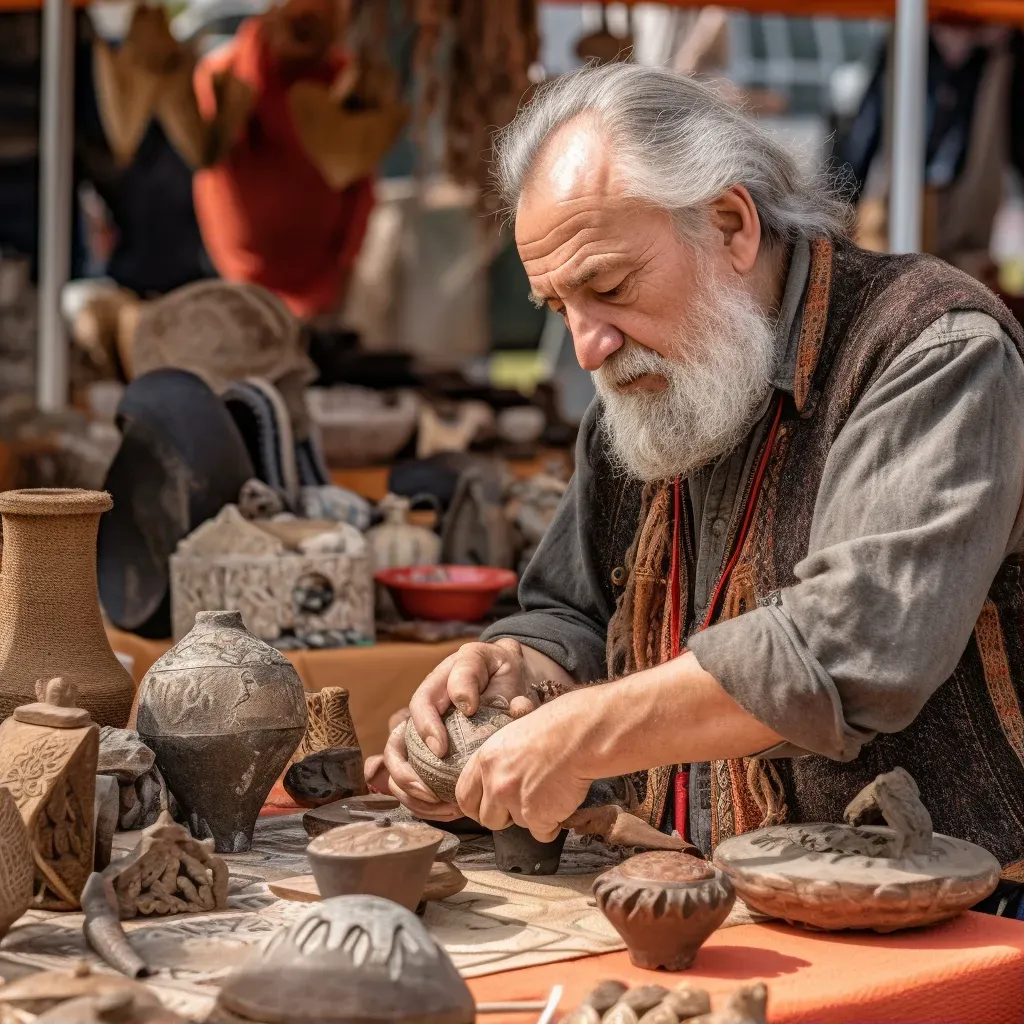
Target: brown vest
[966,747]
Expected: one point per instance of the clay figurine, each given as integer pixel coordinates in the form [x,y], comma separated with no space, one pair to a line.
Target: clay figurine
[223,712]
[664,905]
[876,877]
[396,542]
[465,735]
[16,867]
[50,622]
[48,753]
[376,858]
[350,958]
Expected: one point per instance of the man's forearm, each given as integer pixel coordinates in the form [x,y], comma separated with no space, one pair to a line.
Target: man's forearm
[674,713]
[542,670]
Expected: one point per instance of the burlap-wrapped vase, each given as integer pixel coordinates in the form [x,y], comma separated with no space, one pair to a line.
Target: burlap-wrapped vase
[50,623]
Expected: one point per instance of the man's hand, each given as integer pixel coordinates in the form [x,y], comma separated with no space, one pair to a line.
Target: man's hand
[474,673]
[529,774]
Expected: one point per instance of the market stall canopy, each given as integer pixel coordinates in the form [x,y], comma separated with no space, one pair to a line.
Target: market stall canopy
[1010,11]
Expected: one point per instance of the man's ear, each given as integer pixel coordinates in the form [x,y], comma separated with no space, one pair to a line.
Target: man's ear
[733,214]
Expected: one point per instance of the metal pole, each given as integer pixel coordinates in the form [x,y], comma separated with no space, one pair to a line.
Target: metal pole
[906,189]
[55,185]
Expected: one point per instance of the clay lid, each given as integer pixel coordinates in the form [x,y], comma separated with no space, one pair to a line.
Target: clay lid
[352,959]
[375,838]
[849,855]
[349,810]
[465,735]
[54,501]
[666,867]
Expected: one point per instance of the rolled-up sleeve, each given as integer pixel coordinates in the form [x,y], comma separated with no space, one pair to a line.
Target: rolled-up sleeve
[565,610]
[918,505]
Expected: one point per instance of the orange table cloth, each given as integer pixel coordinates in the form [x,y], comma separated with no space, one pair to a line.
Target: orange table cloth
[970,971]
[380,679]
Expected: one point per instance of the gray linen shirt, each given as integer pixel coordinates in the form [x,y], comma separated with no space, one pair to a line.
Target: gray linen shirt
[919,503]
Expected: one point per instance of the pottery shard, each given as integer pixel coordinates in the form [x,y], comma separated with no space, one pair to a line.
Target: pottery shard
[465,735]
[123,755]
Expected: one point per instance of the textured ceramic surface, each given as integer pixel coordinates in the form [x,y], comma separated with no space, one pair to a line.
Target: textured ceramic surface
[518,853]
[465,735]
[665,905]
[864,876]
[50,771]
[16,866]
[351,958]
[375,858]
[50,622]
[223,712]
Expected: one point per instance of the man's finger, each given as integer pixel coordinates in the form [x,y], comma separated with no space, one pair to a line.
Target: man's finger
[474,665]
[428,703]
[429,812]
[376,774]
[493,814]
[396,760]
[469,790]
[519,706]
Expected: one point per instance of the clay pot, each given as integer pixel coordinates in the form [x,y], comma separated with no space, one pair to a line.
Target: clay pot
[465,735]
[879,877]
[516,851]
[50,621]
[16,866]
[664,905]
[375,858]
[351,958]
[223,713]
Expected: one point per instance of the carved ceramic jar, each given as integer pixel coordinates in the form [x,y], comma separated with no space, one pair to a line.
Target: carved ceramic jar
[50,622]
[665,906]
[223,712]
[351,958]
[465,735]
[879,877]
[16,864]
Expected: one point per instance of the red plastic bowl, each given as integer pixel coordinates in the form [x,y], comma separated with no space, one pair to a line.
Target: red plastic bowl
[446,593]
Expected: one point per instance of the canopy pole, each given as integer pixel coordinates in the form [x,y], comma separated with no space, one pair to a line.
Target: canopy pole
[906,189]
[55,205]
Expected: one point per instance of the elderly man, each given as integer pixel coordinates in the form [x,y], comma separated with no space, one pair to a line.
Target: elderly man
[790,553]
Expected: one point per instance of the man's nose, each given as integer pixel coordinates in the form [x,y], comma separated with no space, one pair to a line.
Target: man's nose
[594,339]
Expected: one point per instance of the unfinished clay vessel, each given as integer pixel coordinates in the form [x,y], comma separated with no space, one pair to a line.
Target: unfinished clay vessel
[860,875]
[375,858]
[16,867]
[48,752]
[465,735]
[352,958]
[664,905]
[517,852]
[223,713]
[50,622]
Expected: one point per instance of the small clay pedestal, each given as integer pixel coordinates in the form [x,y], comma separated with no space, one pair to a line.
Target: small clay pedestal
[518,853]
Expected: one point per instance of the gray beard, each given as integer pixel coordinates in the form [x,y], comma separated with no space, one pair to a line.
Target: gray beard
[717,383]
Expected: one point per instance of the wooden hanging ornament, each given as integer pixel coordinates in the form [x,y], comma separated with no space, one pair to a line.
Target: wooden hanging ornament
[48,756]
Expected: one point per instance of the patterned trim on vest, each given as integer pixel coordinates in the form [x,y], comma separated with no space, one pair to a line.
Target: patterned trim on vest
[992,647]
[812,327]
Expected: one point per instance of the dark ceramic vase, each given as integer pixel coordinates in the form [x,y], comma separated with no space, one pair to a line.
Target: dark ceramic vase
[517,852]
[223,712]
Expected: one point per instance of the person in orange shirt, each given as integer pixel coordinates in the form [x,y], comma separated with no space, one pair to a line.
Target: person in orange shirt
[267,212]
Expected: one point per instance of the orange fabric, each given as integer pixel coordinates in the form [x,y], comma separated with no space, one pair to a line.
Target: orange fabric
[380,679]
[970,971]
[266,214]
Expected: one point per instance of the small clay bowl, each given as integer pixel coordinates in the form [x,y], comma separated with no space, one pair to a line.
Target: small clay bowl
[518,853]
[665,905]
[375,858]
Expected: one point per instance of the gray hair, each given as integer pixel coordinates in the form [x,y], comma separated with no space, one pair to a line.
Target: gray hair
[681,146]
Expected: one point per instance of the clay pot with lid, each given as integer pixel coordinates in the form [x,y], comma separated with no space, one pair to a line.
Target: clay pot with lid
[375,858]
[50,623]
[223,712]
[665,905]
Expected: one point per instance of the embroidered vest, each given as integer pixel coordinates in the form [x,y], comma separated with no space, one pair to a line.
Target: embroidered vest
[965,749]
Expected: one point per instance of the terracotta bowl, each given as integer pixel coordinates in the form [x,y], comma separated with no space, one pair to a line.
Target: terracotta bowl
[446,593]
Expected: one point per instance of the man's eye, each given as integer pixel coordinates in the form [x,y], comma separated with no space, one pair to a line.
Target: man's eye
[617,290]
